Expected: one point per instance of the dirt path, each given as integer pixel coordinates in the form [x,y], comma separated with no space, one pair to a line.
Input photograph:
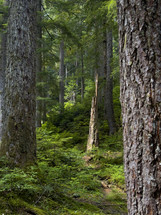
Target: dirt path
[113,201]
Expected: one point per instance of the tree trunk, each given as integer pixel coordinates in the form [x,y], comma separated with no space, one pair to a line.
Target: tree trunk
[140,52]
[39,66]
[66,76]
[77,77]
[2,69]
[101,73]
[93,139]
[82,77]
[44,112]
[109,111]
[19,139]
[61,75]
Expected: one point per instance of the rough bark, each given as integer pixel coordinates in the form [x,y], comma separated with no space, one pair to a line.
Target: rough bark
[140,52]
[39,65]
[19,139]
[93,139]
[61,75]
[109,111]
[2,69]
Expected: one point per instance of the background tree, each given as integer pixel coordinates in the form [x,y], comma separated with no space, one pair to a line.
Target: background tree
[4,17]
[51,185]
[103,43]
[140,51]
[93,137]
[61,75]
[109,110]
[19,139]
[73,21]
[39,105]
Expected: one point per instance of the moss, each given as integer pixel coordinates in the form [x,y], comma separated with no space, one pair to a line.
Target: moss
[90,207]
[62,204]
[117,197]
[19,205]
[3,205]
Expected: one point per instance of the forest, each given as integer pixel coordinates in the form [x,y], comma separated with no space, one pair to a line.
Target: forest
[80,107]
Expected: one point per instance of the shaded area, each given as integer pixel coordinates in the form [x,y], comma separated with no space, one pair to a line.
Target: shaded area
[65,180]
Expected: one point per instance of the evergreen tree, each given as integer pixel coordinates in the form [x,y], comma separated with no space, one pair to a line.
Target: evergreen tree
[39,64]
[109,111]
[140,51]
[19,139]
[3,62]
[61,75]
[93,137]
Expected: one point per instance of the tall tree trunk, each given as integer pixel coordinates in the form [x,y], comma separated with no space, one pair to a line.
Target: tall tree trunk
[61,75]
[39,65]
[82,77]
[44,112]
[101,72]
[93,139]
[2,70]
[109,111]
[19,139]
[77,78]
[140,52]
[66,76]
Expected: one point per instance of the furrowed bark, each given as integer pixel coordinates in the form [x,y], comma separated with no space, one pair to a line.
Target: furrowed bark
[2,69]
[19,139]
[140,65]
[39,65]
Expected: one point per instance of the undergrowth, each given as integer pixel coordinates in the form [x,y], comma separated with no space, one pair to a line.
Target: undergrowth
[63,182]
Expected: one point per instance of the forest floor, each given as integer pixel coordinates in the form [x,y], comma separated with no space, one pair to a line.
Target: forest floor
[113,199]
[66,180]
[109,203]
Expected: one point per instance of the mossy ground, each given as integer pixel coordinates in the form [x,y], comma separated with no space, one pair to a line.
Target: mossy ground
[65,180]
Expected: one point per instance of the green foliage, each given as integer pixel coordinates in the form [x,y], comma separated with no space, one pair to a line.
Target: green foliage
[82,25]
[18,181]
[113,174]
[62,182]
[3,15]
[74,121]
